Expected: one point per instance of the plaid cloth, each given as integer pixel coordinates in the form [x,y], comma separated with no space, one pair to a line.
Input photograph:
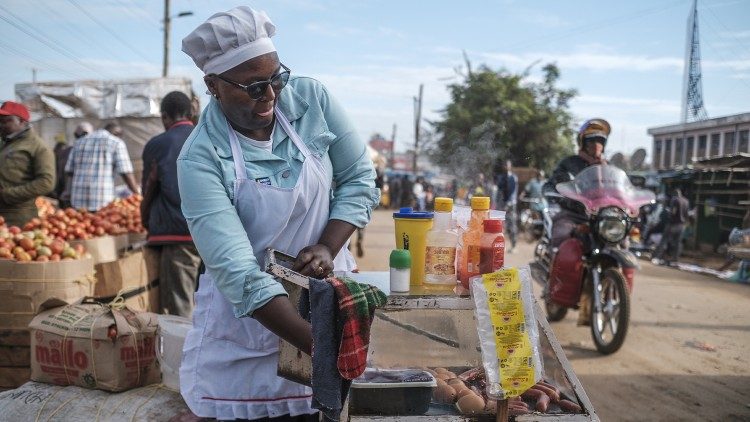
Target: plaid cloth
[94,160]
[357,303]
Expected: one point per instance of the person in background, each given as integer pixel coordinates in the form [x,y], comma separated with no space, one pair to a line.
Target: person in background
[394,190]
[27,166]
[533,191]
[507,196]
[671,243]
[160,210]
[480,187]
[258,173]
[62,152]
[91,166]
[407,192]
[429,196]
[656,220]
[419,194]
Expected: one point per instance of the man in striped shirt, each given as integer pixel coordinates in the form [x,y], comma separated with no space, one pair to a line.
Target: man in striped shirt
[92,165]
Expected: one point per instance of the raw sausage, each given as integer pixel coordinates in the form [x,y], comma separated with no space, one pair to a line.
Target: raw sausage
[569,406]
[553,395]
[542,403]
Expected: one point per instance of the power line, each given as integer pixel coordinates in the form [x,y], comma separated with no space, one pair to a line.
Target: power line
[729,31]
[37,31]
[90,42]
[48,44]
[33,60]
[114,34]
[719,53]
[143,16]
[604,23]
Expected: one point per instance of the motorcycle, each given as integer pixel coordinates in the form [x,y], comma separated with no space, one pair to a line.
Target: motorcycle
[531,218]
[605,270]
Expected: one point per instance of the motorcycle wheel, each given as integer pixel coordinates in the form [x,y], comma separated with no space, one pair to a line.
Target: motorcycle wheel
[609,327]
[555,312]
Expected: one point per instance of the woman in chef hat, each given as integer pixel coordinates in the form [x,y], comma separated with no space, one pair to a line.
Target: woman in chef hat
[274,162]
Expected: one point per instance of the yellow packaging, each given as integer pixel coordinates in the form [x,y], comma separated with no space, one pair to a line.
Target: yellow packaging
[411,234]
[514,361]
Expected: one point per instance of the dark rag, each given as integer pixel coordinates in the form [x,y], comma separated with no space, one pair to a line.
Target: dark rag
[318,305]
[333,309]
[357,303]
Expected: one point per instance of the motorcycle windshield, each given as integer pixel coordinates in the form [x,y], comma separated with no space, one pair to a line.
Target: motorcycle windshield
[602,186]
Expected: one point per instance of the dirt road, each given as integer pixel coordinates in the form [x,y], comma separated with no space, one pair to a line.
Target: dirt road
[686,357]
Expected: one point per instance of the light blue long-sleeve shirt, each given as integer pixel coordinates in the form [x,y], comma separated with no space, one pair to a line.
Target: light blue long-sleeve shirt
[206,178]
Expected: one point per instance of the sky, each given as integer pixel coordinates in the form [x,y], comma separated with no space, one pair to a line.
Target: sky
[624,58]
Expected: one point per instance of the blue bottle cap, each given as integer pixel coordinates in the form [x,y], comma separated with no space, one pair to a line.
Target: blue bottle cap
[408,212]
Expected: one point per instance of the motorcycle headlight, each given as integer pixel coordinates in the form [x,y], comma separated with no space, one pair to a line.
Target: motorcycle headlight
[613,225]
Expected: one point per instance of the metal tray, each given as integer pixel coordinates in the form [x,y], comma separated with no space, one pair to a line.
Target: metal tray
[297,366]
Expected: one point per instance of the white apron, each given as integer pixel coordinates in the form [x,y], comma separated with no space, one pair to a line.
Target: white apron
[229,364]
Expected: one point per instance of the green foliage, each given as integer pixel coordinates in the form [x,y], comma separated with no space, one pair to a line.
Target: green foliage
[496,115]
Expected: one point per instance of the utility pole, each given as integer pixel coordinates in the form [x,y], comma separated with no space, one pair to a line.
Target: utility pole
[392,155]
[165,66]
[33,75]
[417,120]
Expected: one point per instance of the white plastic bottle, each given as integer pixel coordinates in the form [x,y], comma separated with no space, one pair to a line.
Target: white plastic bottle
[400,263]
[440,254]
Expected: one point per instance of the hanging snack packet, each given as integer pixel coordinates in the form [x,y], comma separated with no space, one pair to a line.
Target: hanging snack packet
[508,333]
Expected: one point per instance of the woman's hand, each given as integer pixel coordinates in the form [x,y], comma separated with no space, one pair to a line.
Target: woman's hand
[314,260]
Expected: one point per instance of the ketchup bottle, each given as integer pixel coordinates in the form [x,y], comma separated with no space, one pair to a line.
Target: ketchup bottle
[492,249]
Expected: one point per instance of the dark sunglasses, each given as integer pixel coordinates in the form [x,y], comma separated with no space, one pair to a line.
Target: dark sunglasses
[257,90]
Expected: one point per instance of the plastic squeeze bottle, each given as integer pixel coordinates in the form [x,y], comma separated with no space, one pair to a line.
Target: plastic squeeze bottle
[471,240]
[440,255]
[492,250]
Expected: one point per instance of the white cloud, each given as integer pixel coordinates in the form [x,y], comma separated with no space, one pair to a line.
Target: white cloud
[736,34]
[391,32]
[590,61]
[331,30]
[548,21]
[642,105]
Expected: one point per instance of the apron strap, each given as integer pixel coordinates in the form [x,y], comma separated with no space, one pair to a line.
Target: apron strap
[292,133]
[239,162]
[240,171]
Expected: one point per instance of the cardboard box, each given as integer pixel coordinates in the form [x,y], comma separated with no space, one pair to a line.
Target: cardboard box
[104,248]
[15,356]
[152,256]
[20,337]
[131,277]
[94,346]
[25,286]
[14,377]
[136,238]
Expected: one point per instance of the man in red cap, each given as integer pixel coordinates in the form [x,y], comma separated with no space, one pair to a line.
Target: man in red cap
[27,166]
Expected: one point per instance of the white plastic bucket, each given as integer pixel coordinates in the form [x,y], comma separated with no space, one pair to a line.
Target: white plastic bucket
[170,338]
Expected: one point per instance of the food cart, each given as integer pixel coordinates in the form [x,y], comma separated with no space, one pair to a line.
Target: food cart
[432,329]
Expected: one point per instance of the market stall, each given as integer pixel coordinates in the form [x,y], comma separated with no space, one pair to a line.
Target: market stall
[429,330]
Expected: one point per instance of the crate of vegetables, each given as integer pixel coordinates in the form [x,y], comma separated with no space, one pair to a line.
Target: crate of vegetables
[104,233]
[35,267]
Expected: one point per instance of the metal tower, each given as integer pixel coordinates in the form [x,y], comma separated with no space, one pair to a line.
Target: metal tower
[692,87]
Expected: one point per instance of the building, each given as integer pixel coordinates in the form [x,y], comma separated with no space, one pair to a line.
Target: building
[680,145]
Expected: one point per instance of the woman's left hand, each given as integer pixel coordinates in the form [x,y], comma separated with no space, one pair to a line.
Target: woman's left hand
[315,261]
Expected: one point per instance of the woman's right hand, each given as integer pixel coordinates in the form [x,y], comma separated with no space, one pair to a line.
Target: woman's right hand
[314,261]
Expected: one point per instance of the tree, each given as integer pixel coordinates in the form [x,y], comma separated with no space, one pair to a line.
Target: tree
[497,115]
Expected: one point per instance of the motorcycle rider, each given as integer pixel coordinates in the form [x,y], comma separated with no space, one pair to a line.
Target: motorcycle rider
[592,139]
[533,190]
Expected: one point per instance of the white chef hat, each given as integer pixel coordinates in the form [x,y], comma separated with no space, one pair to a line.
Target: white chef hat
[230,38]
